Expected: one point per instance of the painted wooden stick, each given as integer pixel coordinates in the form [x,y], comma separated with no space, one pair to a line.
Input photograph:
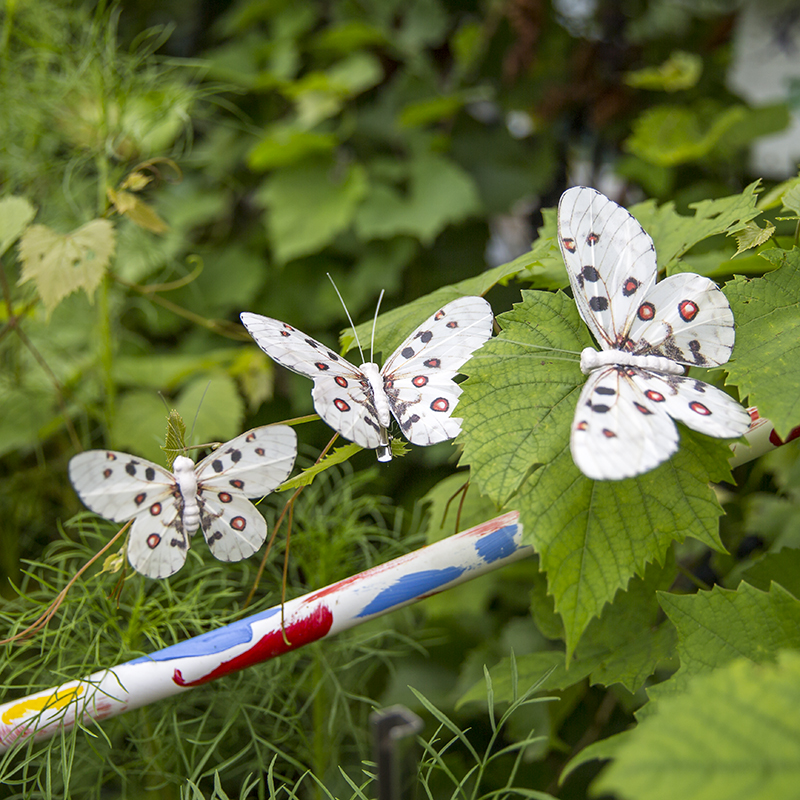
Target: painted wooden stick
[258,638]
[314,616]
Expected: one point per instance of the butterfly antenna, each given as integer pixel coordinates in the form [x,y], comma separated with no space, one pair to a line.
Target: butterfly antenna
[348,316]
[374,323]
[197,413]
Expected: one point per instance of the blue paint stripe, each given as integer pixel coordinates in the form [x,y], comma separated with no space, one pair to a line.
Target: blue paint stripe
[410,586]
[499,544]
[212,642]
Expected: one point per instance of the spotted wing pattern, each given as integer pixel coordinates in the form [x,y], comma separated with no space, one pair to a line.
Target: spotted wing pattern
[624,419]
[418,377]
[251,465]
[342,395]
[610,260]
[120,487]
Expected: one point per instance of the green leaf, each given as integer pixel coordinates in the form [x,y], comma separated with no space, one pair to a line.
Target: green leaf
[674,235]
[15,215]
[286,144]
[309,204]
[175,441]
[624,646]
[767,351]
[782,567]
[718,626]
[439,194]
[517,408]
[772,197]
[681,70]
[734,733]
[167,371]
[60,264]
[138,425]
[601,750]
[395,325]
[752,236]
[215,407]
[671,135]
[791,198]
[338,456]
[520,397]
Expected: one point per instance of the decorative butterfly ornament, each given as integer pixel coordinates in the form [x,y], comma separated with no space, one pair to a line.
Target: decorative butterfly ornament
[415,385]
[168,507]
[648,332]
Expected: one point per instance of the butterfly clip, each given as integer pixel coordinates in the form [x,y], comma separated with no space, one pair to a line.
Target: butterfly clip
[648,333]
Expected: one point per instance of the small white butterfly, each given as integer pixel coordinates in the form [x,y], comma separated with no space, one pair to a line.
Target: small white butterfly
[168,507]
[624,419]
[416,383]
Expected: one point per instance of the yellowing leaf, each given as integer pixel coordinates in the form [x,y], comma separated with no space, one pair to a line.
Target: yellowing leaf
[60,264]
[136,210]
[680,71]
[751,236]
[136,181]
[15,214]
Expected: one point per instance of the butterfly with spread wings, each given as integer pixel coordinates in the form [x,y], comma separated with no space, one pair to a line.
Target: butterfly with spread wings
[648,332]
[415,385]
[168,507]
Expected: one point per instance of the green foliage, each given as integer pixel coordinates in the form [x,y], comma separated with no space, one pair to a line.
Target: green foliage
[148,199]
[674,752]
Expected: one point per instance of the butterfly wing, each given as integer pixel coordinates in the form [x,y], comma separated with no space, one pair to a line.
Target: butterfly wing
[618,432]
[251,465]
[342,395]
[610,260]
[116,485]
[418,377]
[158,543]
[698,405]
[686,318]
[119,486]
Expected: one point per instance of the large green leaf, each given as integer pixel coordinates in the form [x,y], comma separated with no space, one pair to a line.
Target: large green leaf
[624,646]
[733,734]
[309,204]
[767,352]
[592,537]
[439,193]
[717,626]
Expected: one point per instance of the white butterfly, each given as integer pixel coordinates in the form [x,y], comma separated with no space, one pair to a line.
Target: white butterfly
[416,383]
[168,507]
[624,419]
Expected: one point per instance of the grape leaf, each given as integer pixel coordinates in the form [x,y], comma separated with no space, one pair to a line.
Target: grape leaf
[15,214]
[734,733]
[717,626]
[517,409]
[764,362]
[60,264]
[752,236]
[625,645]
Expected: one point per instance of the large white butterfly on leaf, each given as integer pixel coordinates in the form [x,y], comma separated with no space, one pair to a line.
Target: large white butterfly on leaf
[415,385]
[168,507]
[648,333]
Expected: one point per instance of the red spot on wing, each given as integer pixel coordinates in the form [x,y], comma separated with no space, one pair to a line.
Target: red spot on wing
[419,381]
[341,405]
[440,404]
[569,245]
[341,381]
[688,310]
[153,540]
[646,312]
[699,408]
[655,396]
[299,633]
[438,315]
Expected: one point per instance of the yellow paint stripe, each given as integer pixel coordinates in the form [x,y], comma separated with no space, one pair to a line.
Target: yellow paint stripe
[55,700]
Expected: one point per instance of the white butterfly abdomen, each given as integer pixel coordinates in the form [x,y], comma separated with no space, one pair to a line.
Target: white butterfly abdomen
[183,469]
[373,374]
[592,359]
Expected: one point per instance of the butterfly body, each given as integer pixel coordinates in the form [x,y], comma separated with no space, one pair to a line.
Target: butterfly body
[415,386]
[648,333]
[168,507]
[592,359]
